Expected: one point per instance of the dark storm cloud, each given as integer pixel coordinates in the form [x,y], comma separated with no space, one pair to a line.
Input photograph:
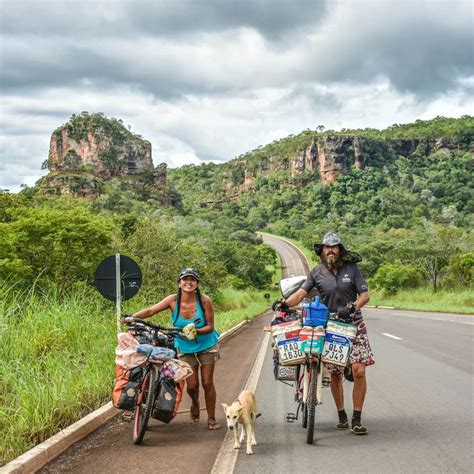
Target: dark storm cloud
[173,48]
[421,48]
[272,18]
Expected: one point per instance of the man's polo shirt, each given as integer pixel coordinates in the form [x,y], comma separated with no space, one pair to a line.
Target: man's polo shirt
[336,290]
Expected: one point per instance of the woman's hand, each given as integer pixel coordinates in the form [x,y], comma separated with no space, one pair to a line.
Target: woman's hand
[190,332]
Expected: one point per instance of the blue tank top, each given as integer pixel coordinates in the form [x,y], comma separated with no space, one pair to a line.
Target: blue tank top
[202,341]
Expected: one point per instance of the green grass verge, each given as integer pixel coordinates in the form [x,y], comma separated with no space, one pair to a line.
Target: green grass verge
[58,356]
[57,364]
[423,299]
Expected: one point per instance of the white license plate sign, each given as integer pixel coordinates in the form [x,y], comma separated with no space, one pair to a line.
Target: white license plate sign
[290,350]
[336,349]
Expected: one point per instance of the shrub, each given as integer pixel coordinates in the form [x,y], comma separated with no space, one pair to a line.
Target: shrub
[392,276]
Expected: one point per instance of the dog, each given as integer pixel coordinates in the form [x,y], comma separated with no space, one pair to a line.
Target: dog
[243,413]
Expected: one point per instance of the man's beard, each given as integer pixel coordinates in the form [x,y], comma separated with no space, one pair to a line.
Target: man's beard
[332,261]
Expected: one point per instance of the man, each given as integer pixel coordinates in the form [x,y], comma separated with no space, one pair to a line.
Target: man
[342,289]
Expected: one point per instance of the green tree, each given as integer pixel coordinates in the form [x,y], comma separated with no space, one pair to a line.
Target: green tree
[65,245]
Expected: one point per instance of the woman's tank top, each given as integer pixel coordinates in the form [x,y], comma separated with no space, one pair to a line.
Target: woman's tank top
[202,341]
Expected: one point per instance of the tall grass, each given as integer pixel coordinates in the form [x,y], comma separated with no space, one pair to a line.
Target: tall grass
[57,356]
[423,299]
[57,363]
[237,305]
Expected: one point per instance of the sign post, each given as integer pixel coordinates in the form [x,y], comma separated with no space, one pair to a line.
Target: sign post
[118,290]
[118,278]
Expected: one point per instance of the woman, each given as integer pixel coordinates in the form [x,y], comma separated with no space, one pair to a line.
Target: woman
[189,306]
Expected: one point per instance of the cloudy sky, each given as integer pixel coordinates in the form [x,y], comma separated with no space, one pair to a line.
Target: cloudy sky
[209,79]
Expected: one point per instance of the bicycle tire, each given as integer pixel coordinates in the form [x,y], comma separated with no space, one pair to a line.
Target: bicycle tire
[304,414]
[143,409]
[312,403]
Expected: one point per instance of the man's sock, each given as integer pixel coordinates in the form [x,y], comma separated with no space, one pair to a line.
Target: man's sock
[356,418]
[342,416]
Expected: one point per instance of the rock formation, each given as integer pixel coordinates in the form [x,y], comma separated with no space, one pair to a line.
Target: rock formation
[91,149]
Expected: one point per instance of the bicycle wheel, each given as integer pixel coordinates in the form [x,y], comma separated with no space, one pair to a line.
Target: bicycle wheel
[145,401]
[311,405]
[304,413]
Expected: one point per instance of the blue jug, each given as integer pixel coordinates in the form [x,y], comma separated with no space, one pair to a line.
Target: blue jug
[316,314]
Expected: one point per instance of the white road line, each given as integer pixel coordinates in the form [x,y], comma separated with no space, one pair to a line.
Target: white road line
[392,336]
[454,318]
[227,456]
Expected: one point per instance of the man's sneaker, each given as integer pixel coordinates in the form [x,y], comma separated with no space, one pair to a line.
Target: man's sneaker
[359,429]
[343,425]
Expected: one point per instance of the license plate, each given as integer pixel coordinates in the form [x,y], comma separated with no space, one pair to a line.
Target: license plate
[334,352]
[290,350]
[337,348]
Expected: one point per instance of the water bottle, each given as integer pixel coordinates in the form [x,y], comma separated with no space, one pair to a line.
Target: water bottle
[316,314]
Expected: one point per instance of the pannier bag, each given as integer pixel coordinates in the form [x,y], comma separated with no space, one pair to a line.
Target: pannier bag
[176,369]
[126,353]
[127,384]
[168,400]
[338,343]
[286,338]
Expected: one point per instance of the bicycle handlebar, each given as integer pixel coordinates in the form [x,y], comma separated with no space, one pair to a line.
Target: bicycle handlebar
[131,320]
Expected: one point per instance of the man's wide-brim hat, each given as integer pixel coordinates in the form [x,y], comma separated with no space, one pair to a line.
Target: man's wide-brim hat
[331,239]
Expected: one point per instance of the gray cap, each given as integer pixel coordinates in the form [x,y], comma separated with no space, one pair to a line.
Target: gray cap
[331,239]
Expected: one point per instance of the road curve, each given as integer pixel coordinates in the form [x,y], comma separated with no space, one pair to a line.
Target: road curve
[293,261]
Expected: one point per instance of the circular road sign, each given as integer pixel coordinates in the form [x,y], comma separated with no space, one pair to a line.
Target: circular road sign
[105,279]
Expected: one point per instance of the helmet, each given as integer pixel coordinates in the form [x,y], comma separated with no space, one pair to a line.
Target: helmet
[188,271]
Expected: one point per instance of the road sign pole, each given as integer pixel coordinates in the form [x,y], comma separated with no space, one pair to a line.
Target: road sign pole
[118,289]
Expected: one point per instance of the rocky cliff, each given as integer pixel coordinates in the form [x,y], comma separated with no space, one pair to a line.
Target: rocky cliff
[325,158]
[91,149]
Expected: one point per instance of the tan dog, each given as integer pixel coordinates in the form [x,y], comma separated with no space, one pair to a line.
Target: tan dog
[242,412]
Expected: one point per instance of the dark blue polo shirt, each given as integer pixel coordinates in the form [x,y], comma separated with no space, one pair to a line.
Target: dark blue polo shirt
[336,290]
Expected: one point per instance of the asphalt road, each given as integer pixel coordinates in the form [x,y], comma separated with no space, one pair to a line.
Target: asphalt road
[418,409]
[293,262]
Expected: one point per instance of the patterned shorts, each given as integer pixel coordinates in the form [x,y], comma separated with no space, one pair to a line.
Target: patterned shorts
[361,351]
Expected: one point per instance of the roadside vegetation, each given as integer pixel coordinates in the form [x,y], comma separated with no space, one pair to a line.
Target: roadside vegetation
[58,334]
[423,299]
[58,356]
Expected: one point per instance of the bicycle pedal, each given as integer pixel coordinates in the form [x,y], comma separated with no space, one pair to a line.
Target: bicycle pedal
[127,416]
[290,417]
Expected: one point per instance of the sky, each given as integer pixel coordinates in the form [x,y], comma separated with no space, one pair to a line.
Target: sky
[207,80]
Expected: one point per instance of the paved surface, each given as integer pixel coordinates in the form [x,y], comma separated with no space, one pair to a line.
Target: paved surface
[418,409]
[293,262]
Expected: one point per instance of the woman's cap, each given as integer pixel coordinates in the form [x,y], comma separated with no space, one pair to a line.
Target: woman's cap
[189,272]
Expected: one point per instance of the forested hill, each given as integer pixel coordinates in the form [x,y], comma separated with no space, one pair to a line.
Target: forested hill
[427,160]
[402,196]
